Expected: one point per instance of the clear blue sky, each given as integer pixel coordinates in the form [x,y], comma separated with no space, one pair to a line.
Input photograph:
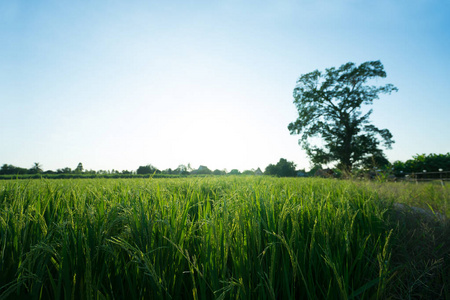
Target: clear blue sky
[119,84]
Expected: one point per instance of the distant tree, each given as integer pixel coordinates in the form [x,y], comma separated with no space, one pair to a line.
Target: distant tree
[19,170]
[148,169]
[168,171]
[204,170]
[286,168]
[329,107]
[258,172]
[7,169]
[65,170]
[271,169]
[181,170]
[234,172]
[248,172]
[399,168]
[79,168]
[218,172]
[12,170]
[283,168]
[36,168]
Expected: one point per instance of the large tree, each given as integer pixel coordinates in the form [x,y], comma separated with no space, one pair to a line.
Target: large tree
[329,107]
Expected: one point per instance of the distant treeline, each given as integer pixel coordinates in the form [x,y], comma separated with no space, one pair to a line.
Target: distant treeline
[84,175]
[11,172]
[422,162]
[284,168]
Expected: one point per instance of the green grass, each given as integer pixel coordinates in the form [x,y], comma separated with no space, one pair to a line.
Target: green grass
[431,196]
[421,251]
[208,238]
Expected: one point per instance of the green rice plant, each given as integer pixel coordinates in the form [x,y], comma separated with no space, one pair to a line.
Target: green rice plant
[198,238]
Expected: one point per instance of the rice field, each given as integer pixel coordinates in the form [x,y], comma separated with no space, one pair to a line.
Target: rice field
[218,238]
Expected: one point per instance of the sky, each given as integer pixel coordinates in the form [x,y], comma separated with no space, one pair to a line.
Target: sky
[122,84]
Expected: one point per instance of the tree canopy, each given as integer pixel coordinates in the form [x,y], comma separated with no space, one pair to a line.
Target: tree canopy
[283,168]
[329,107]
